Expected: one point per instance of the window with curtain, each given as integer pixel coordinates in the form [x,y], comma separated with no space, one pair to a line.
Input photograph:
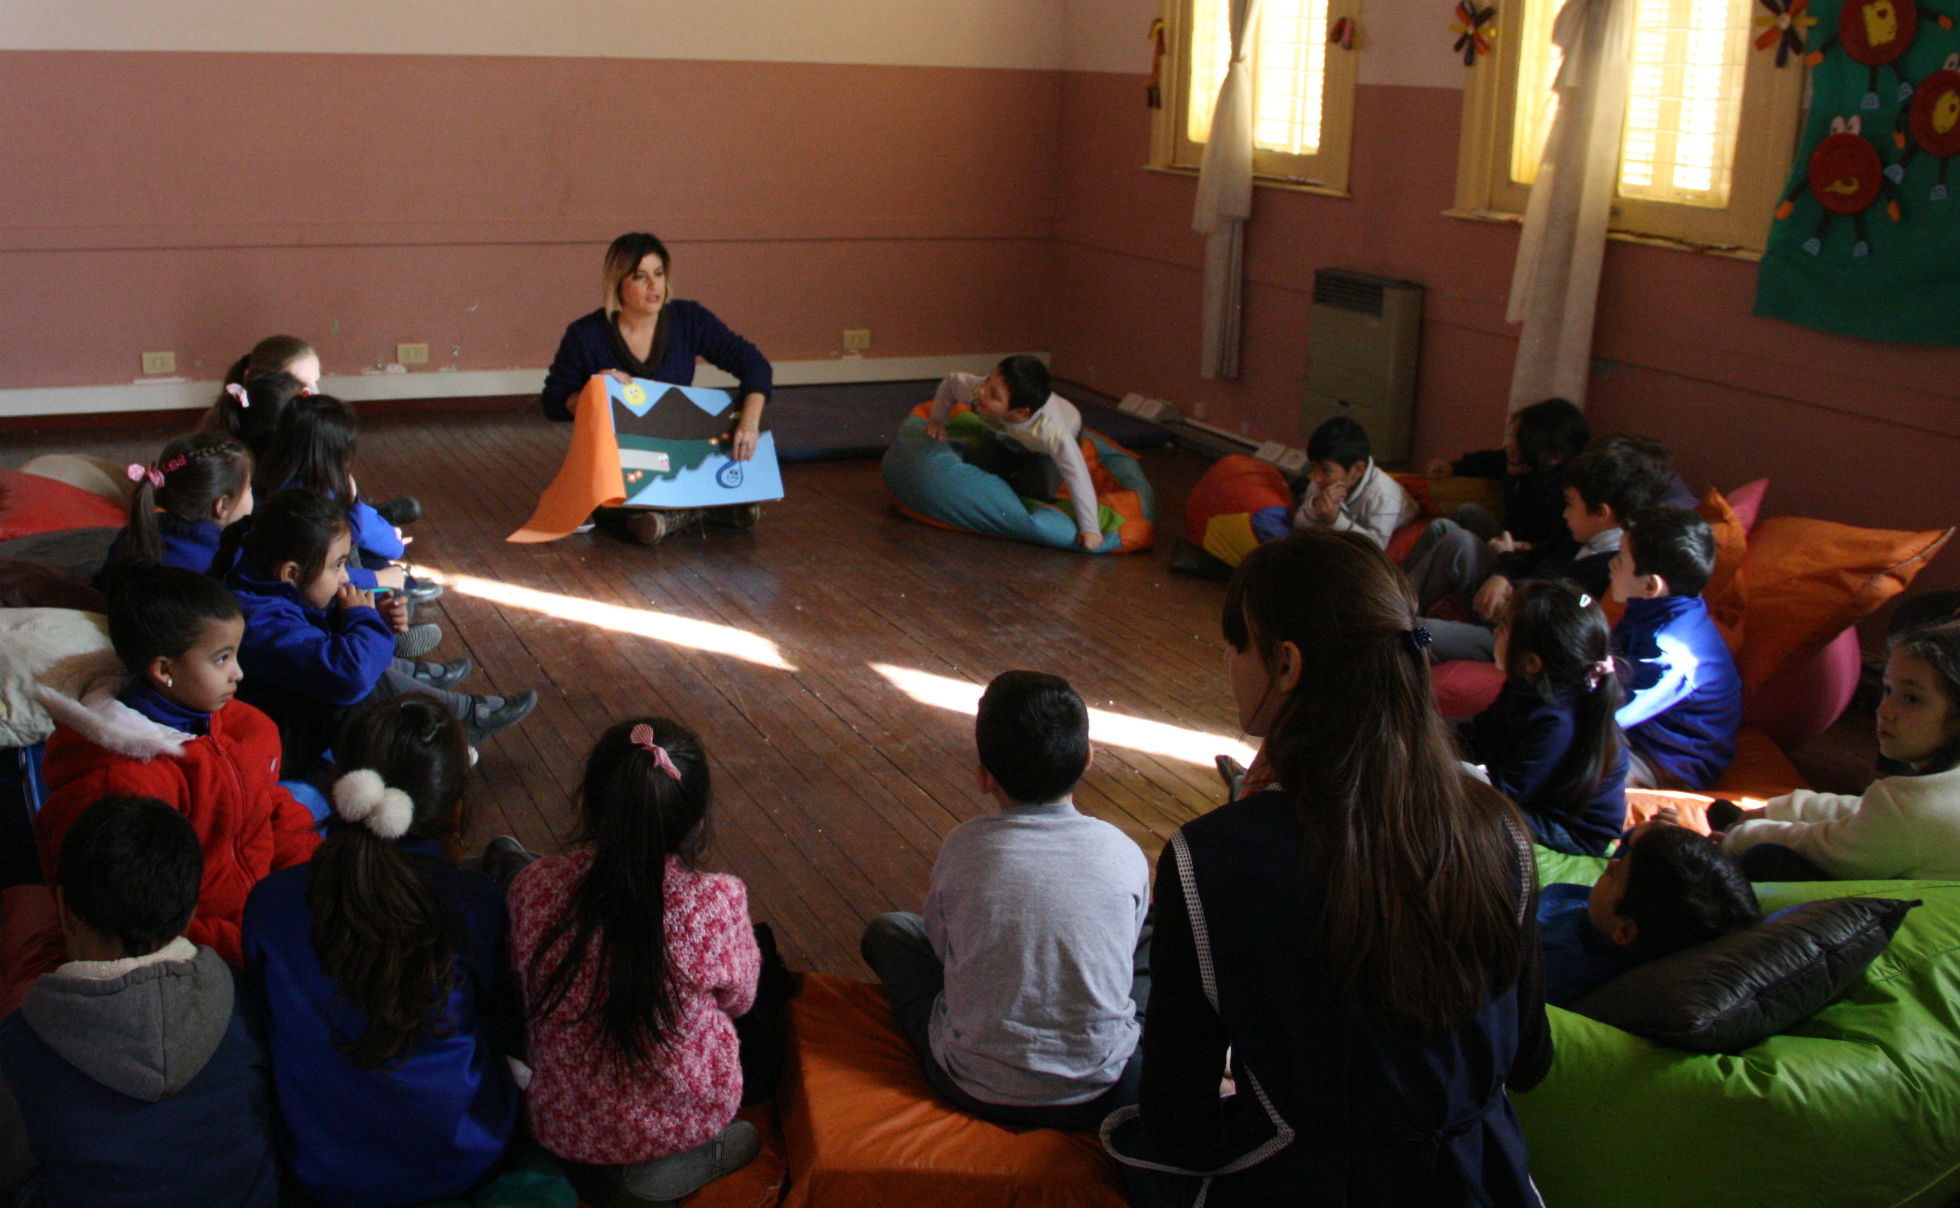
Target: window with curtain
[1303,89]
[1711,122]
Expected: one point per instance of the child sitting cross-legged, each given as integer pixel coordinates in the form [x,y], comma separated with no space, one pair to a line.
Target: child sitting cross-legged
[315,645]
[1039,436]
[1549,741]
[177,733]
[1020,989]
[1347,491]
[1684,694]
[652,1004]
[1667,888]
[1905,825]
[1609,480]
[383,971]
[136,1081]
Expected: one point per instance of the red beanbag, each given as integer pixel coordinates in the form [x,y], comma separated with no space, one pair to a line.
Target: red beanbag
[32,504]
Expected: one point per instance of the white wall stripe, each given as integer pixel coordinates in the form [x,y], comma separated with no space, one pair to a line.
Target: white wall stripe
[175,394]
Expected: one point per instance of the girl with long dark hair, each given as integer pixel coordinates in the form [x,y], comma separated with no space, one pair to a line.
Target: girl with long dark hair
[1358,935]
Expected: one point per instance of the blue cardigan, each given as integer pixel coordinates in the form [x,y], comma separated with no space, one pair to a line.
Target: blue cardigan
[1521,740]
[193,545]
[1684,695]
[303,667]
[591,346]
[427,1128]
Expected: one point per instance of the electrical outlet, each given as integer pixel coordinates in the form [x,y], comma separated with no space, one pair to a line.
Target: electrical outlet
[159,362]
[412,354]
[857,339]
[1270,451]
[1200,411]
[1294,461]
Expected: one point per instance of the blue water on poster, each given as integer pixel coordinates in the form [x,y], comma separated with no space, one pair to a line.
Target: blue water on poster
[669,456]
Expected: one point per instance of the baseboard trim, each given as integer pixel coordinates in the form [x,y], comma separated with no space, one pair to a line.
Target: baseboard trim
[183,394]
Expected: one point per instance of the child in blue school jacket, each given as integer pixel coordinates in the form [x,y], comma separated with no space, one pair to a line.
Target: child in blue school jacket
[315,645]
[389,1008]
[199,484]
[313,449]
[1684,694]
[1549,741]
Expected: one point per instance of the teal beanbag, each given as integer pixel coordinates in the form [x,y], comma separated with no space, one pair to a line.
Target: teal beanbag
[931,480]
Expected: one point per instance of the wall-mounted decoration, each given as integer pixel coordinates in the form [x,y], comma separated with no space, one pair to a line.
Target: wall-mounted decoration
[1877,33]
[1931,124]
[1786,28]
[1830,262]
[1474,26]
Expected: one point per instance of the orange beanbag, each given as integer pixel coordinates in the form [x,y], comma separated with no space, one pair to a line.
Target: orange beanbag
[864,1129]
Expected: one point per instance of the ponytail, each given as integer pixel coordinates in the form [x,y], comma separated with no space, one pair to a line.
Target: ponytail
[645,797]
[190,476]
[387,939]
[312,449]
[1568,633]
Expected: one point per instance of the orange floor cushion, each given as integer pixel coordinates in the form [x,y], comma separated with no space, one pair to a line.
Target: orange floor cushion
[863,1129]
[1761,770]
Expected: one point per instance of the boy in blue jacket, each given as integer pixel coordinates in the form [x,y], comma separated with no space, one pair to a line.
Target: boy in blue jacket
[135,1079]
[1684,695]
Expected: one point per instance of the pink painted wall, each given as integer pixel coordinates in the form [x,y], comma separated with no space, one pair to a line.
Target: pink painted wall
[197,201]
[1848,430]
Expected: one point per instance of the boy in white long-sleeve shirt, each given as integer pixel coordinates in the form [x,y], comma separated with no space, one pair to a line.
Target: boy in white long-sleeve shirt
[1348,492]
[1016,405]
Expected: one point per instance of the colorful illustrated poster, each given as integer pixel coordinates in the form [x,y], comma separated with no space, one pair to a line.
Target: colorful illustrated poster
[650,444]
[670,448]
[1867,239]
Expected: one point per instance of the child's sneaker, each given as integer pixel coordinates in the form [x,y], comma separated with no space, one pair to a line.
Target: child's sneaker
[668,1179]
[417,640]
[490,714]
[735,515]
[444,675]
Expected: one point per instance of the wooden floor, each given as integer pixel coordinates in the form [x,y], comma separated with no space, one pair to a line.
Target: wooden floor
[834,785]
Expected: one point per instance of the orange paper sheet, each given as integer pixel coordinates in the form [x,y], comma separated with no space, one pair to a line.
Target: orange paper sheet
[590,477]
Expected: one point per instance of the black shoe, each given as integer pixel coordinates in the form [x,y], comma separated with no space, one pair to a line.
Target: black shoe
[735,515]
[1188,559]
[404,509]
[490,714]
[444,675]
[420,591]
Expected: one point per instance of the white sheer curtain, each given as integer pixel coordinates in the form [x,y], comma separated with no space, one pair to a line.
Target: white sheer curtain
[1555,285]
[1225,201]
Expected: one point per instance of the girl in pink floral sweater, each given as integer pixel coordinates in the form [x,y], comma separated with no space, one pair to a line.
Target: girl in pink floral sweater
[634,965]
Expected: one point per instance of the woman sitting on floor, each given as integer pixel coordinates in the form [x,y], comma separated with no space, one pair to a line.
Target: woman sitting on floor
[642,331]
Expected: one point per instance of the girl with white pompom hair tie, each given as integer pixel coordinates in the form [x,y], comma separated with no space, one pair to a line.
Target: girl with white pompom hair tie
[384,976]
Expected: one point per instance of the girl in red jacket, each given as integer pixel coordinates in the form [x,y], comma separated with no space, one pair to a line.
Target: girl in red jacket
[176,734]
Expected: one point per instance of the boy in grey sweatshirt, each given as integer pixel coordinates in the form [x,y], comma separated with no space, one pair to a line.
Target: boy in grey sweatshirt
[130,1074]
[1022,987]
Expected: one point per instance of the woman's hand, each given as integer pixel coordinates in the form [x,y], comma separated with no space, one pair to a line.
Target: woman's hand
[935,431]
[1090,539]
[748,429]
[621,376]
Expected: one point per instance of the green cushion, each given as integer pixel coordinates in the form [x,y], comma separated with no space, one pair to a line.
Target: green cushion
[1860,1105]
